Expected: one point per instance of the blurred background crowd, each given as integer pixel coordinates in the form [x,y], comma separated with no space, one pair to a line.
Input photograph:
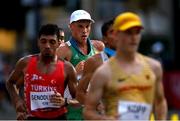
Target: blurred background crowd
[20,21]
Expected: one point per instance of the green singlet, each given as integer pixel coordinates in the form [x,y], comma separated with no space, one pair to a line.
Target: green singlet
[78,56]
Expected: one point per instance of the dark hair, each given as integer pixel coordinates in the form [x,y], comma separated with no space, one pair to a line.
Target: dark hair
[106,26]
[49,29]
[61,29]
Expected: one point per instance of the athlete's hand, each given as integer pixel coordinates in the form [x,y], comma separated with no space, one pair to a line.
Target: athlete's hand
[21,110]
[57,99]
[100,108]
[74,103]
[99,45]
[21,116]
[80,67]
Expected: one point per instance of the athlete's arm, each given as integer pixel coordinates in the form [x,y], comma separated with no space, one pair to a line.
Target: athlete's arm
[71,78]
[160,104]
[90,66]
[94,95]
[71,82]
[13,81]
[84,82]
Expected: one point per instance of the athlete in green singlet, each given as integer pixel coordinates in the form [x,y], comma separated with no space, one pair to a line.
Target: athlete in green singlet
[78,49]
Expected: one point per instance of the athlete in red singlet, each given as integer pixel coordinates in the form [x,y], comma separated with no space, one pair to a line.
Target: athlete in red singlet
[43,79]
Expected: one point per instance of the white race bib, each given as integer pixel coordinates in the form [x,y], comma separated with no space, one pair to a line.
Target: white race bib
[128,110]
[41,100]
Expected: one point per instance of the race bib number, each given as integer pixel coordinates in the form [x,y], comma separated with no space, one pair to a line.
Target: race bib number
[128,110]
[41,100]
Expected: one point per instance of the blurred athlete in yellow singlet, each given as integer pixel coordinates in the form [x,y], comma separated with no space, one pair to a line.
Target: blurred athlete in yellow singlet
[129,84]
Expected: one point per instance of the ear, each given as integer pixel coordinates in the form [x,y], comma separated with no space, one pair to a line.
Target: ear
[69,26]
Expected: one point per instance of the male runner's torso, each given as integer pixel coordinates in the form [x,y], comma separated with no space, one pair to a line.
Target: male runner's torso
[130,96]
[39,87]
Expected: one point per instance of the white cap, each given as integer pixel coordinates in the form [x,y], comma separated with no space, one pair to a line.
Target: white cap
[80,15]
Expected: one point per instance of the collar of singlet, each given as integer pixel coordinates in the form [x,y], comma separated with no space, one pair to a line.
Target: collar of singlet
[75,45]
[110,52]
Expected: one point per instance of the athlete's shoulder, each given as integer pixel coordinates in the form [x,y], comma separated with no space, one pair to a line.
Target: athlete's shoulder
[67,64]
[64,46]
[23,61]
[99,45]
[64,51]
[27,57]
[155,64]
[105,67]
[68,68]
[103,73]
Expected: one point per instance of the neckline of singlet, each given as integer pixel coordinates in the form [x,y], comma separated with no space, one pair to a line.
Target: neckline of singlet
[44,74]
[145,67]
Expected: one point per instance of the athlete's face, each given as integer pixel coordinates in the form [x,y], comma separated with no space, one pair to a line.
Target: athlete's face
[108,39]
[48,45]
[80,30]
[128,40]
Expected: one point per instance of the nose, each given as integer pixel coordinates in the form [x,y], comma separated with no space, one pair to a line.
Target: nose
[133,36]
[85,30]
[47,45]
